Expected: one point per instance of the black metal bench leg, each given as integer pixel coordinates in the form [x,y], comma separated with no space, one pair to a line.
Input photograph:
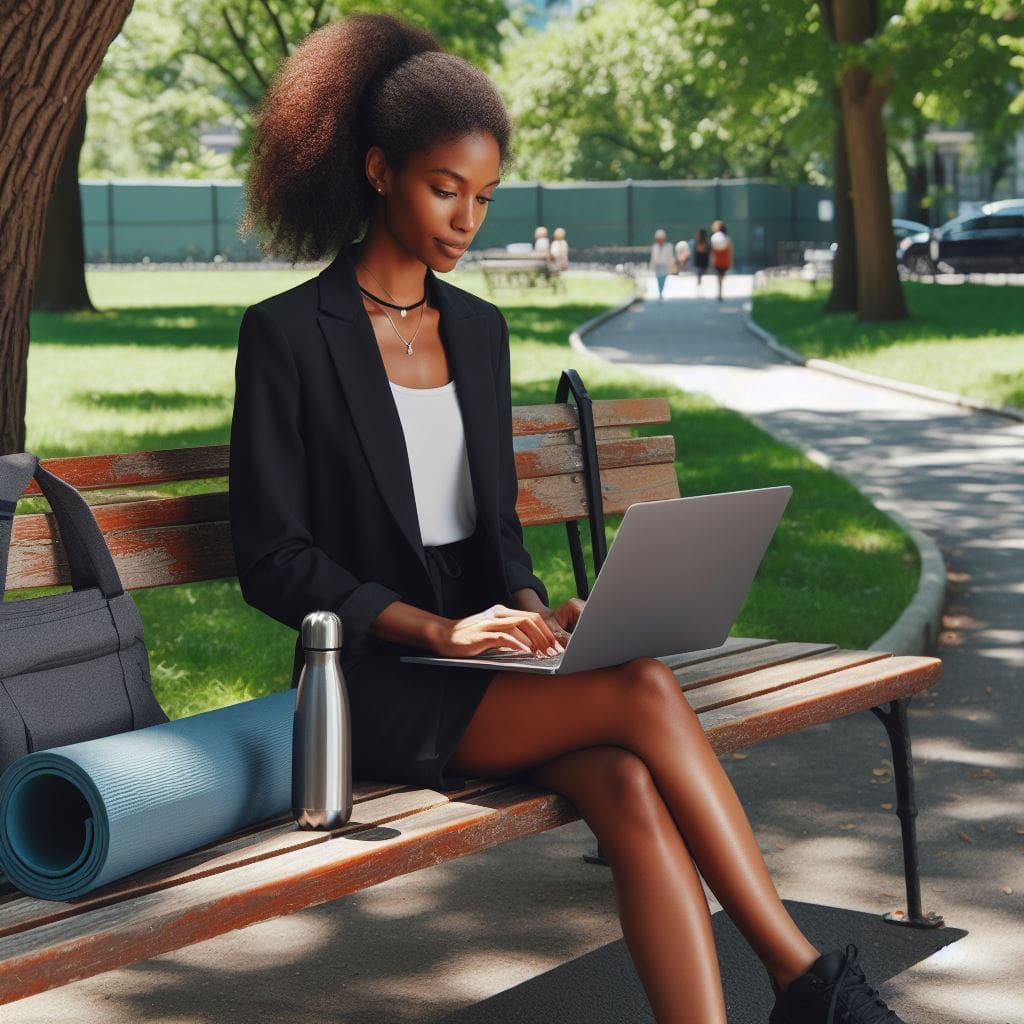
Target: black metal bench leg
[897,726]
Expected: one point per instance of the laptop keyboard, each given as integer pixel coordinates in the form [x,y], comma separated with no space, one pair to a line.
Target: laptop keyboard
[527,656]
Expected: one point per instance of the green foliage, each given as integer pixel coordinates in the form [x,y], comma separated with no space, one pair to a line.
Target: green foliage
[149,103]
[957,65]
[631,88]
[669,89]
[699,88]
[180,66]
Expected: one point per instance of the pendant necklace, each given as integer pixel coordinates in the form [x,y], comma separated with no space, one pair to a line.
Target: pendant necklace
[407,342]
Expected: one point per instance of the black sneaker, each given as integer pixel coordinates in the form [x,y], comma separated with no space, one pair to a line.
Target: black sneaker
[833,991]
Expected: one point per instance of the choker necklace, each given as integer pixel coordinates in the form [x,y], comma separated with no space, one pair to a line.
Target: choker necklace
[404,310]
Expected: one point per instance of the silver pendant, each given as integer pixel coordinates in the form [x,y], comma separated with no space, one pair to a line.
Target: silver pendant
[405,313]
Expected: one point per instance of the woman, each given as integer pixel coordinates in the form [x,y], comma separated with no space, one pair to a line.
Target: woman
[560,250]
[662,262]
[701,249]
[721,253]
[372,474]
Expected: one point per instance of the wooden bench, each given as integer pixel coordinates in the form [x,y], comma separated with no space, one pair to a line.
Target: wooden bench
[745,692]
[516,269]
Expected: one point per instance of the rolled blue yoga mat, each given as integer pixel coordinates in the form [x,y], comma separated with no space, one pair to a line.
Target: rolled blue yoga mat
[77,817]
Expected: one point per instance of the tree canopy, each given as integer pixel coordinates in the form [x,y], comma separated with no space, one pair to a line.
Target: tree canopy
[181,66]
[669,89]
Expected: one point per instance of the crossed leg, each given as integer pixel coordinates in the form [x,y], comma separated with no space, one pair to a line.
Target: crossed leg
[624,745]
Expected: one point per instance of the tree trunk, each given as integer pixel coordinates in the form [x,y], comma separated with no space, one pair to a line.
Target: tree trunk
[60,282]
[879,294]
[843,297]
[49,52]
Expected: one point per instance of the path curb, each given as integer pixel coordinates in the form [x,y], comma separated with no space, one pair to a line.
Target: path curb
[917,628]
[827,366]
[576,336]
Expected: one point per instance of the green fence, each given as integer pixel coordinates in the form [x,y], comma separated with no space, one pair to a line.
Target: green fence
[132,221]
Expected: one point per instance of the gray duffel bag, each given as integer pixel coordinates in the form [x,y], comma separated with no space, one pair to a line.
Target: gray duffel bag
[73,666]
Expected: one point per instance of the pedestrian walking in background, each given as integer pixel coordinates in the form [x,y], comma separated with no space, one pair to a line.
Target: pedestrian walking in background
[721,252]
[682,254]
[559,250]
[701,249]
[541,242]
[663,260]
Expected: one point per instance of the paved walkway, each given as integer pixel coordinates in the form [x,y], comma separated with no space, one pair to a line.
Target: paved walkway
[534,927]
[960,477]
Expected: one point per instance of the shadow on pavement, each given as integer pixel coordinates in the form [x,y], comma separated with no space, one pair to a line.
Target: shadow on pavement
[601,987]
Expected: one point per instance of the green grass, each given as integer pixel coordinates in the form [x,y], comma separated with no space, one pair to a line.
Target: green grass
[967,339]
[154,370]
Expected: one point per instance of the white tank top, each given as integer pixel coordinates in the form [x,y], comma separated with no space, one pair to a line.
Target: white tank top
[436,441]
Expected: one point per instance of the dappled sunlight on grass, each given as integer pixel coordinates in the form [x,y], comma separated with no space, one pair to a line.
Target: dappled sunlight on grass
[967,339]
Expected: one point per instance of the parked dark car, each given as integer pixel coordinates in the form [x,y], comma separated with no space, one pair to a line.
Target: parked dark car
[989,240]
[902,231]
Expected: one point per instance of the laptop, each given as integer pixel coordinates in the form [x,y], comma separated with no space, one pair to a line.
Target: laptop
[673,582]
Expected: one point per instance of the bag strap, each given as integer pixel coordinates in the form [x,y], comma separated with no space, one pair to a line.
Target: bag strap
[89,561]
[15,473]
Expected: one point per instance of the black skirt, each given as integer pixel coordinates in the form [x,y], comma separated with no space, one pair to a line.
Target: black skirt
[407,719]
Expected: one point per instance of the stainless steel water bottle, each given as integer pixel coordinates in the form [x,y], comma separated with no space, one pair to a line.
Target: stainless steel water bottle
[321,734]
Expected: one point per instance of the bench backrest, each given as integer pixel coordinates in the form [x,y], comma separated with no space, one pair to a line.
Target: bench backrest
[158,540]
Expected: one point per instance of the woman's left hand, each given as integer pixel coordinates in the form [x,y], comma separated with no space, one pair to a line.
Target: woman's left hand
[563,619]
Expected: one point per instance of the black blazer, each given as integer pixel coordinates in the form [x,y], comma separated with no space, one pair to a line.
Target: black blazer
[322,508]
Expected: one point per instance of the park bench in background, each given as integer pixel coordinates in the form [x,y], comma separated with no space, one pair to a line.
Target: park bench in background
[512,269]
[574,460]
[818,265]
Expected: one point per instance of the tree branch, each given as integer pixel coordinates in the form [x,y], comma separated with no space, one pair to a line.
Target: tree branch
[278,27]
[317,11]
[240,45]
[238,86]
[622,143]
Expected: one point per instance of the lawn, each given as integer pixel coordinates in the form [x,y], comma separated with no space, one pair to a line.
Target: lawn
[154,370]
[966,338]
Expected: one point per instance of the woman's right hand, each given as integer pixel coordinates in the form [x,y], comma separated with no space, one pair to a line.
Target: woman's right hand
[496,627]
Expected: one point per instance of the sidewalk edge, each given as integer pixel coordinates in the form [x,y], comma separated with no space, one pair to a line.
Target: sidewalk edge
[917,627]
[576,336]
[904,387]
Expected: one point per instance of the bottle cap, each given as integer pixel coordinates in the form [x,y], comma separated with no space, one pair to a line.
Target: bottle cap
[321,631]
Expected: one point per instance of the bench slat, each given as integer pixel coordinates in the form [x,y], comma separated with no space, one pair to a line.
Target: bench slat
[92,472]
[551,460]
[554,499]
[109,937]
[163,541]
[776,677]
[612,412]
[819,700]
[152,557]
[130,469]
[270,839]
[733,645]
[747,661]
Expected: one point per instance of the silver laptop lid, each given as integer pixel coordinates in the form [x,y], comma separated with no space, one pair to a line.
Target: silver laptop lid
[675,576]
